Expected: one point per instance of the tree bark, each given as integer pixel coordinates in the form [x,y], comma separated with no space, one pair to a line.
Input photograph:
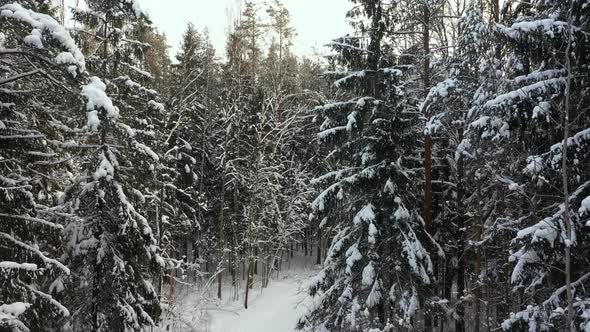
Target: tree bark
[427,142]
[460,269]
[564,172]
[478,238]
[319,252]
[248,286]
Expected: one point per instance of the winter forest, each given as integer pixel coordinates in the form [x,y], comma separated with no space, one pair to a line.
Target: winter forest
[429,171]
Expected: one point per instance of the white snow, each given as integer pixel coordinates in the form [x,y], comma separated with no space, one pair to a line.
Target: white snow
[57,286]
[146,150]
[41,23]
[34,39]
[525,91]
[368,275]
[545,229]
[440,91]
[522,257]
[541,109]
[331,131]
[417,257]
[365,214]
[534,166]
[349,76]
[549,26]
[401,213]
[353,255]
[372,233]
[36,252]
[276,308]
[585,206]
[158,106]
[389,187]
[95,94]
[352,118]
[136,8]
[8,311]
[375,295]
[18,266]
[105,169]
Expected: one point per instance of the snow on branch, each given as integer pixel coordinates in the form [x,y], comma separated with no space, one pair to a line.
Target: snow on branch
[331,131]
[547,228]
[350,76]
[532,314]
[97,99]
[525,92]
[366,214]
[130,210]
[41,23]
[552,158]
[35,220]
[440,91]
[6,265]
[136,8]
[365,173]
[417,256]
[336,44]
[35,251]
[547,26]
[12,311]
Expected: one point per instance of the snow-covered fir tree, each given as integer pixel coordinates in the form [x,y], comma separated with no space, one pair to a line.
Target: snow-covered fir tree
[39,67]
[377,270]
[537,115]
[112,246]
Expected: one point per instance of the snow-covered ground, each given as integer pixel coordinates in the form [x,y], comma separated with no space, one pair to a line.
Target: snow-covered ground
[275,308]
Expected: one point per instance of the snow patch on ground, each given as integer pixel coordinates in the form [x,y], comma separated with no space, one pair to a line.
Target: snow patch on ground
[276,308]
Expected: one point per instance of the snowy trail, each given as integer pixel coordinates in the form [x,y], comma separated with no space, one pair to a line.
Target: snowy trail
[276,309]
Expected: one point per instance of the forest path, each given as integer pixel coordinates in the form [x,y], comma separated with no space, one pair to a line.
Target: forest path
[276,308]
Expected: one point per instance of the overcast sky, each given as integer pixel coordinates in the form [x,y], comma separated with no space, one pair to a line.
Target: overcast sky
[316,21]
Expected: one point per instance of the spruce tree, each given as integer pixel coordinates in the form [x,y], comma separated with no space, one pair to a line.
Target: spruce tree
[516,132]
[40,70]
[377,270]
[111,243]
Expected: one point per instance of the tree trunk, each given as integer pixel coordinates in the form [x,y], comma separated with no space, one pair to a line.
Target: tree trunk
[564,172]
[460,269]
[248,285]
[171,292]
[221,235]
[256,260]
[319,252]
[478,254]
[190,259]
[460,322]
[427,144]
[305,241]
